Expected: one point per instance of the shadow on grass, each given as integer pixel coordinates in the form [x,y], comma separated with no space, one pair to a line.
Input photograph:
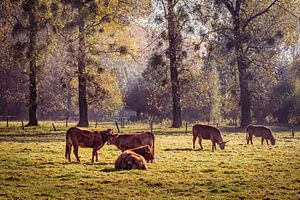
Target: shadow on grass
[181,149]
[109,170]
[34,137]
[171,132]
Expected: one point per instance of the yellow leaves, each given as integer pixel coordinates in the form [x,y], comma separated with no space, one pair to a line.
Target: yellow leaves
[104,90]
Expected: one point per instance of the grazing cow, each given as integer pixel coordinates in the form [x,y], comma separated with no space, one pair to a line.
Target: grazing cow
[84,138]
[144,151]
[130,160]
[259,131]
[132,140]
[208,133]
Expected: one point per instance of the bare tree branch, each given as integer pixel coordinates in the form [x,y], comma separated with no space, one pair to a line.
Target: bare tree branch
[258,14]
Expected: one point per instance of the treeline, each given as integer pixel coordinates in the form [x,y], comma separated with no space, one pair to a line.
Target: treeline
[163,59]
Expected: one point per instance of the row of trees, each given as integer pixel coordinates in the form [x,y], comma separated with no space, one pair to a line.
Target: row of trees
[243,64]
[46,39]
[208,60]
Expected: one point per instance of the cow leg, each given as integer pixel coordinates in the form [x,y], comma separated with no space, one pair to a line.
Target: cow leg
[69,152]
[76,153]
[250,137]
[267,142]
[262,140]
[95,153]
[247,138]
[194,140]
[213,146]
[200,143]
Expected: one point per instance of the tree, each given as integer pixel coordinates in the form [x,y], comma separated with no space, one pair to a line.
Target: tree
[29,22]
[92,18]
[173,37]
[244,27]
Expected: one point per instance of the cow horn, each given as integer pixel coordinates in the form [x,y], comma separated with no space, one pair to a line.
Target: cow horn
[226,141]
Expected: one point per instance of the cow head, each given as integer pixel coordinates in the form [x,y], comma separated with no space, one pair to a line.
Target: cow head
[148,155]
[106,133]
[272,141]
[222,144]
[112,137]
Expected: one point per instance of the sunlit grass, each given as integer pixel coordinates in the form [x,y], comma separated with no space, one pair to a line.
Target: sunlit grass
[33,166]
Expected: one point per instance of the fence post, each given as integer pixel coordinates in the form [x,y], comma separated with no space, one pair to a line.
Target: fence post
[186,127]
[117,126]
[151,126]
[53,127]
[66,122]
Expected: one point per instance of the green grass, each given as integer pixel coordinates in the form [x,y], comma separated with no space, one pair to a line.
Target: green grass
[33,166]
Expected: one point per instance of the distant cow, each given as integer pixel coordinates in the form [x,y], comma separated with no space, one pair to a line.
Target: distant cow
[144,151]
[84,138]
[259,131]
[132,140]
[130,160]
[208,133]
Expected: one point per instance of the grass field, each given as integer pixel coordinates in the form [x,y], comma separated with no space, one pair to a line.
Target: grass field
[33,166]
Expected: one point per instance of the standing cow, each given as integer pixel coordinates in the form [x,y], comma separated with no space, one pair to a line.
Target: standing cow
[130,160]
[84,138]
[132,140]
[259,131]
[208,133]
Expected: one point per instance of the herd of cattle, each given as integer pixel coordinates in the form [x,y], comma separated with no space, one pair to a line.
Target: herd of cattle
[137,148]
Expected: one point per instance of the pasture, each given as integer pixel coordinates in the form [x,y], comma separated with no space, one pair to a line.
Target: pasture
[33,166]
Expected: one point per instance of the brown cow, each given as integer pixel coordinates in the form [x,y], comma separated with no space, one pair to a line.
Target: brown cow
[259,131]
[144,151]
[132,140]
[130,160]
[84,138]
[208,133]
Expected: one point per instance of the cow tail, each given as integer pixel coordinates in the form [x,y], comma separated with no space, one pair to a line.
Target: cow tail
[153,142]
[194,136]
[247,135]
[67,145]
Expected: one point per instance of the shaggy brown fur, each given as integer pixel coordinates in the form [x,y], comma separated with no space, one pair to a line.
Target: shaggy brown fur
[144,151]
[130,160]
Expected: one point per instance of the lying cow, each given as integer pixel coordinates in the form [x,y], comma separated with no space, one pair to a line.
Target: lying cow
[144,151]
[130,160]
[208,133]
[84,138]
[259,131]
[132,140]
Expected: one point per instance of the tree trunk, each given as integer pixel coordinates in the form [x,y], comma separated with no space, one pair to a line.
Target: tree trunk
[138,113]
[242,69]
[244,98]
[172,33]
[83,106]
[69,99]
[32,71]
